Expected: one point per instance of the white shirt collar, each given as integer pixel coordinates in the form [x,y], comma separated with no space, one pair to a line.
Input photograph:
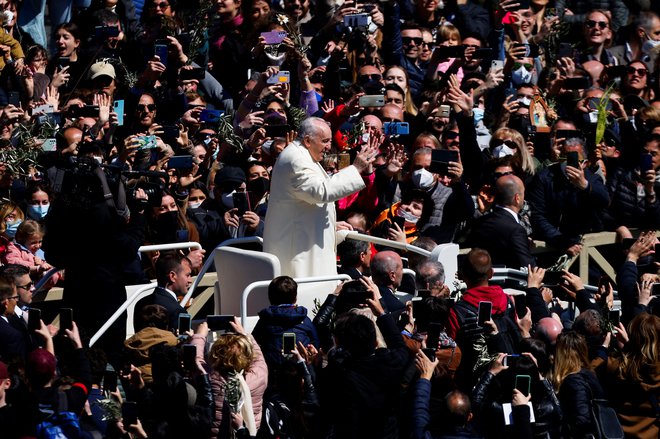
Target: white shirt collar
[172,293]
[514,214]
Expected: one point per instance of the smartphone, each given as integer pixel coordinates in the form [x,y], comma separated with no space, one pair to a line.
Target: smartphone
[356,21]
[603,281]
[510,360]
[430,353]
[615,317]
[85,111]
[524,4]
[482,52]
[423,293]
[572,159]
[577,83]
[146,142]
[399,221]
[343,160]
[444,111]
[288,342]
[396,128]
[531,50]
[523,384]
[274,36]
[521,305]
[66,319]
[655,289]
[210,116]
[103,32]
[185,323]
[14,98]
[440,159]
[180,162]
[433,335]
[484,312]
[160,50]
[63,61]
[171,132]
[645,163]
[657,253]
[277,130]
[241,202]
[282,77]
[565,50]
[182,235]
[220,322]
[49,145]
[110,380]
[445,52]
[568,134]
[189,357]
[118,107]
[129,413]
[372,101]
[34,319]
[190,74]
[496,64]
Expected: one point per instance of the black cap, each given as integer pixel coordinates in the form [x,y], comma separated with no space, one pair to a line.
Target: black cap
[229,174]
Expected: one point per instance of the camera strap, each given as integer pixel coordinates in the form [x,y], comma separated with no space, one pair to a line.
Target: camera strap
[120,207]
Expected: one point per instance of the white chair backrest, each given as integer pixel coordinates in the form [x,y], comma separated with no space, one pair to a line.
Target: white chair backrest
[130,311]
[237,269]
[447,254]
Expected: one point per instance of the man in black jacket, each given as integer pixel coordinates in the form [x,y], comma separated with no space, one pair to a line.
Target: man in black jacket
[500,232]
[173,276]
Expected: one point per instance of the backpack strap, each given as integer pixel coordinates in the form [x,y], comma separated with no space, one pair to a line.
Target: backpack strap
[62,402]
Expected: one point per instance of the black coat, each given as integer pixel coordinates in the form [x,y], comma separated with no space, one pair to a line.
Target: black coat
[12,342]
[575,395]
[503,237]
[163,298]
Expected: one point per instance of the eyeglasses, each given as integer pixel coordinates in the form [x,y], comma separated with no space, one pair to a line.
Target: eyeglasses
[428,45]
[526,65]
[593,23]
[162,5]
[371,77]
[149,107]
[28,286]
[640,72]
[407,40]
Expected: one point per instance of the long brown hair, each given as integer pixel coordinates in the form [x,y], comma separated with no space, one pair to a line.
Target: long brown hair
[571,355]
[643,347]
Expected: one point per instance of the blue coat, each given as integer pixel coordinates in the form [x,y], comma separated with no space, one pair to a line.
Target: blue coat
[274,321]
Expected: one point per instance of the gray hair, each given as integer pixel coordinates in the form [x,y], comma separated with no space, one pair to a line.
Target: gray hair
[422,151]
[645,20]
[429,273]
[311,127]
[576,142]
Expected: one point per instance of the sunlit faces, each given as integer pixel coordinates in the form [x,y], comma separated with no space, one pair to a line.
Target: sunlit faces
[597,29]
[637,76]
[394,97]
[66,44]
[146,111]
[167,204]
[228,8]
[396,75]
[412,41]
[319,142]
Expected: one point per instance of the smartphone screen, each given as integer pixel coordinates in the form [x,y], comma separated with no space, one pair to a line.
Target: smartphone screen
[160,50]
[110,380]
[485,309]
[399,221]
[430,353]
[129,413]
[521,305]
[220,322]
[510,360]
[34,319]
[66,319]
[615,316]
[184,323]
[523,383]
[288,342]
[189,357]
[433,335]
[572,159]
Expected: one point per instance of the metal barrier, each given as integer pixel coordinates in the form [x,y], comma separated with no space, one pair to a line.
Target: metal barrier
[265,283]
[384,242]
[124,306]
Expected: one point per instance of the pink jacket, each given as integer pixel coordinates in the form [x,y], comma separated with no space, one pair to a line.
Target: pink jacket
[256,378]
[17,254]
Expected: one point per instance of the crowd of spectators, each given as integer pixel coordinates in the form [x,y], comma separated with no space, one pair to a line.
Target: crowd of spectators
[493,124]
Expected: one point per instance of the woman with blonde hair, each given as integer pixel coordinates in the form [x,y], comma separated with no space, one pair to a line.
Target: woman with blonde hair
[576,386]
[239,376]
[399,76]
[506,141]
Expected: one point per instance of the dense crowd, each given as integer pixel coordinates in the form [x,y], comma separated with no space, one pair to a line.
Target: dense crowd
[489,124]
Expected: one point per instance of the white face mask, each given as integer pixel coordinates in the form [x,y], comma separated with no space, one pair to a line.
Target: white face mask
[525,101]
[422,178]
[409,217]
[502,151]
[196,205]
[228,200]
[521,76]
[649,45]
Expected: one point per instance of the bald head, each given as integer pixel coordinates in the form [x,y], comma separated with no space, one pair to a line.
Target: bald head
[371,121]
[547,330]
[387,269]
[391,113]
[510,192]
[459,408]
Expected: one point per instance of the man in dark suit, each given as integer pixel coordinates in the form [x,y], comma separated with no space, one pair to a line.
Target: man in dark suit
[173,274]
[19,277]
[500,232]
[12,341]
[387,272]
[354,257]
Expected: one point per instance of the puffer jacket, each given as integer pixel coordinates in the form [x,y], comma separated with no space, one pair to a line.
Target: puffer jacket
[627,207]
[138,346]
[256,378]
[274,321]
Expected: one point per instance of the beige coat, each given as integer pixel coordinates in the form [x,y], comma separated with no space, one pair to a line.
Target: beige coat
[301,217]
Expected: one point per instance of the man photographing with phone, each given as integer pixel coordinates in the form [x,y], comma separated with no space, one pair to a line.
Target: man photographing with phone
[301,218]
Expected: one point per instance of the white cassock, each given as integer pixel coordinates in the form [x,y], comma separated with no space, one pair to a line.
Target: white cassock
[300,220]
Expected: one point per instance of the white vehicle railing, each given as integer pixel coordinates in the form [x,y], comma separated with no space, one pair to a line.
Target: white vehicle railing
[265,283]
[44,279]
[384,242]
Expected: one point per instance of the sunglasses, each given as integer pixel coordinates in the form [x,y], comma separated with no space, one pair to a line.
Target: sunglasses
[639,72]
[450,135]
[430,45]
[163,5]
[27,286]
[593,23]
[149,107]
[371,77]
[526,65]
[510,143]
[407,40]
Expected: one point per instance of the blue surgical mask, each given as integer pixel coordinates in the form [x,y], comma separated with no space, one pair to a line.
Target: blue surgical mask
[38,211]
[12,228]
[478,115]
[521,76]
